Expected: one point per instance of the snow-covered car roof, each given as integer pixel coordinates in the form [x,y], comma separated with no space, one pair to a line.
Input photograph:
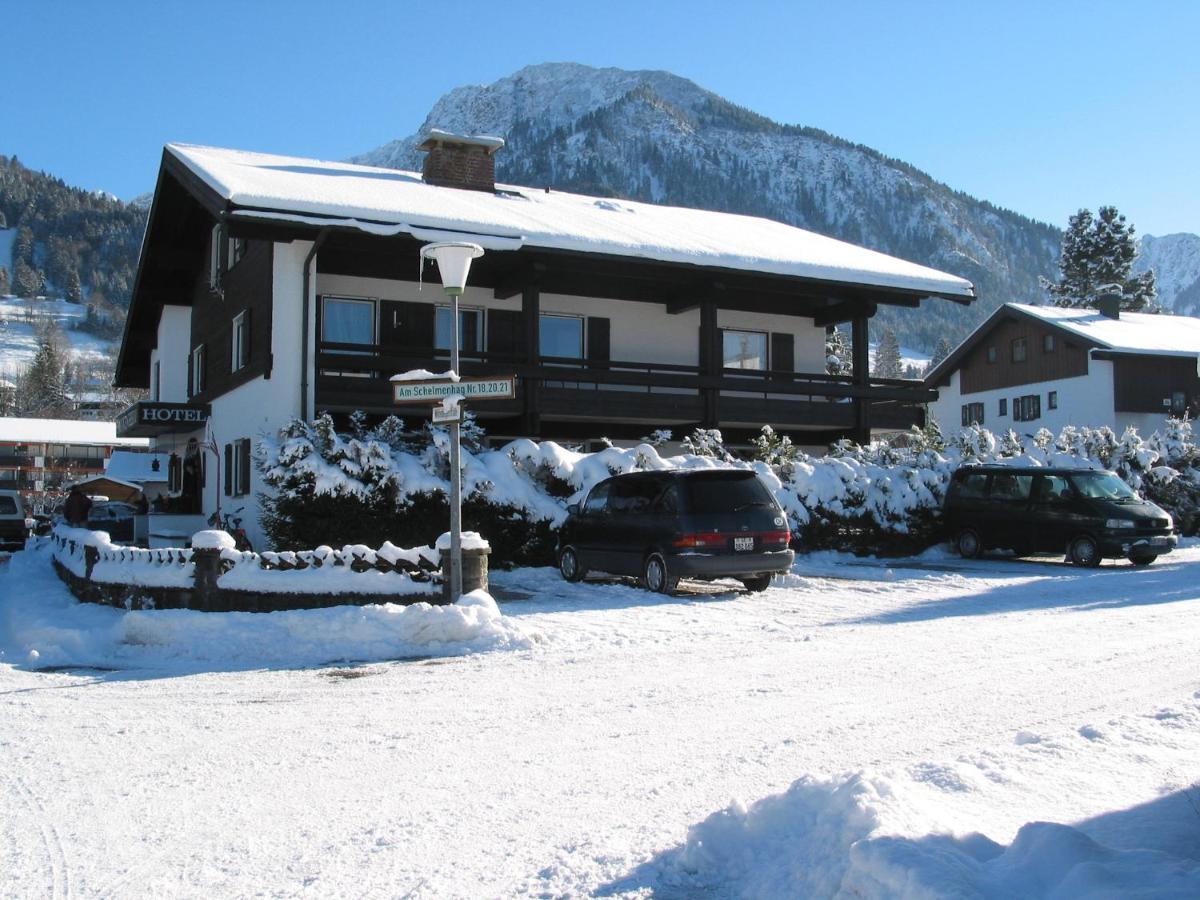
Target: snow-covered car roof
[390,201]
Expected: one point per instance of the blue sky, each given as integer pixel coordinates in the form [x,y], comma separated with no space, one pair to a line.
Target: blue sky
[1039,107]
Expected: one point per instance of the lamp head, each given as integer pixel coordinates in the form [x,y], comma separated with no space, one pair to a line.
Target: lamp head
[453,261]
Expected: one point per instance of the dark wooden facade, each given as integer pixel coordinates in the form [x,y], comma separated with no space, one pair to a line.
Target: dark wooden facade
[1141,384]
[245,288]
[1068,358]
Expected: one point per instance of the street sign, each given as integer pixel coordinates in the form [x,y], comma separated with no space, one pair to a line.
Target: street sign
[496,387]
[443,415]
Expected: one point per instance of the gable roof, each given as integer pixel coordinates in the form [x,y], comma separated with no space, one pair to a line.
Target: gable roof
[1145,334]
[389,202]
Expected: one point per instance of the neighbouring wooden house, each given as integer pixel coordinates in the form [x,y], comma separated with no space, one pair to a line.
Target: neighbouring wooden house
[1032,367]
[273,287]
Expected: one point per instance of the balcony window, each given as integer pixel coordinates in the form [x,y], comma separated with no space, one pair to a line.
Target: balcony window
[744,350]
[1018,350]
[470,329]
[345,321]
[1028,408]
[560,336]
[972,414]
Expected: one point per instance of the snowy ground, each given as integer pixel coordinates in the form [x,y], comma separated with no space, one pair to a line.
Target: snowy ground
[848,729]
[18,336]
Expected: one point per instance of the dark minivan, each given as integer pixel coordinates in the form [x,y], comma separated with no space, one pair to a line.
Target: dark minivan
[1089,514]
[663,526]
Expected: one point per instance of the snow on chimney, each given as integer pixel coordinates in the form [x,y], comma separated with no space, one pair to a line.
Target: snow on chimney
[1108,303]
[461,161]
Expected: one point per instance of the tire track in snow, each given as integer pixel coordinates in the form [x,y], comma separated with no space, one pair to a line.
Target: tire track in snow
[56,857]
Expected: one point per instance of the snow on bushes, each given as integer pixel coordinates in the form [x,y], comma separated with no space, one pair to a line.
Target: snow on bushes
[382,484]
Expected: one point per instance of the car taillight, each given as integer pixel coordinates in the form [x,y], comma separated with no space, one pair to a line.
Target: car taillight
[776,537]
[700,541]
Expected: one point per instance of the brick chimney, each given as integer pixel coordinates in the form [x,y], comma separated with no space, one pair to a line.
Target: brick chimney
[460,161]
[1108,304]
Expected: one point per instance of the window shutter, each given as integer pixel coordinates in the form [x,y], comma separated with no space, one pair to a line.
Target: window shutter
[598,338]
[506,333]
[229,470]
[191,388]
[244,471]
[783,353]
[417,324]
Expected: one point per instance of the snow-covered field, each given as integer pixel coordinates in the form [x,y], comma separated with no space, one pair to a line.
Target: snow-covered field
[18,335]
[878,728]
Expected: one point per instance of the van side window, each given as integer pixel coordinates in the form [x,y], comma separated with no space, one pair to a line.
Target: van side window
[971,486]
[1051,489]
[630,495]
[1010,487]
[597,500]
[668,500]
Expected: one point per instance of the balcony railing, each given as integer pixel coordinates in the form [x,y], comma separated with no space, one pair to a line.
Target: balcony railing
[356,376]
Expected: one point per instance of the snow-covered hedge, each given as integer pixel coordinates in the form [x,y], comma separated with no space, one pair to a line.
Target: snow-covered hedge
[354,569]
[377,485]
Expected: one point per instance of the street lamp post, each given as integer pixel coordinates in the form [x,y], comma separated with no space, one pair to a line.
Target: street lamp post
[454,263]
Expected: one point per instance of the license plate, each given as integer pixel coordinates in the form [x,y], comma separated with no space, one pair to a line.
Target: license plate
[743,543]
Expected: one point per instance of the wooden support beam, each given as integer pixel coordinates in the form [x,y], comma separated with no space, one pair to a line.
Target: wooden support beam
[517,280]
[845,311]
[861,354]
[531,312]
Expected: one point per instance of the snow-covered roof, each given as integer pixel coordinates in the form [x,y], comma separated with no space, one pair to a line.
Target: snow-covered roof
[64,431]
[1161,335]
[125,465]
[389,201]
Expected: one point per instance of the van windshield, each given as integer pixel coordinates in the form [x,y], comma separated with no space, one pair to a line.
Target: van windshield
[1103,486]
[8,506]
[728,493]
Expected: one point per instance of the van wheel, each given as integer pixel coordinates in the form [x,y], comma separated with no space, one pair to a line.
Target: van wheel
[1142,559]
[655,576]
[569,566]
[967,544]
[757,584]
[1084,552]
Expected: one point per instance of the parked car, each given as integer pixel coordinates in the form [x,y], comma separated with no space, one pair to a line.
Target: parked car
[1088,514]
[663,526]
[114,517]
[14,523]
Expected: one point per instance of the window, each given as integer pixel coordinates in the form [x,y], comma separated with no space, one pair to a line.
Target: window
[744,350]
[214,259]
[1051,489]
[237,249]
[1003,406]
[1018,350]
[470,329]
[560,336]
[1178,402]
[1006,486]
[241,341]
[992,354]
[1052,400]
[346,321]
[237,468]
[1027,408]
[971,485]
[1047,343]
[972,414]
[198,371]
[597,500]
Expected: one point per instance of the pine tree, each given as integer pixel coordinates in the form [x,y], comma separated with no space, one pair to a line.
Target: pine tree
[941,352]
[43,390]
[26,279]
[1097,258]
[838,359]
[74,288]
[887,357]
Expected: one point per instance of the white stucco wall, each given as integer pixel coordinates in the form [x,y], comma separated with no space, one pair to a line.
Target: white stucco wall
[1083,400]
[171,351]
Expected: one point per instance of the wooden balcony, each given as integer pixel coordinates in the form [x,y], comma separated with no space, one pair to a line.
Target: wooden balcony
[599,396]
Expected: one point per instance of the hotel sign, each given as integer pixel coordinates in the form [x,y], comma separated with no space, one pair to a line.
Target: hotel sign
[497,387]
[147,419]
